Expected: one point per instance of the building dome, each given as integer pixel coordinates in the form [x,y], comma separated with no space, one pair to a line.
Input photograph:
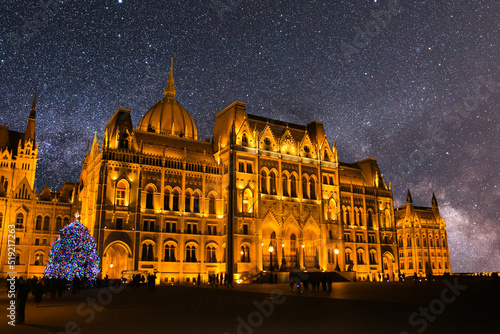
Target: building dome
[168,116]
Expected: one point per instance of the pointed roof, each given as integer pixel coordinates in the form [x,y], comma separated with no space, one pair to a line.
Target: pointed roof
[170,88]
[408,197]
[434,200]
[64,193]
[46,194]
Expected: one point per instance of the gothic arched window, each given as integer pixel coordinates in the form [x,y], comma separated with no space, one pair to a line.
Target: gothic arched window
[20,220]
[123,140]
[304,187]
[38,224]
[149,197]
[263,182]
[272,183]
[293,186]
[46,223]
[285,185]
[312,189]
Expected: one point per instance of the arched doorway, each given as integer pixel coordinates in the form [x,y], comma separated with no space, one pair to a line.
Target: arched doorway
[310,253]
[115,260]
[388,266]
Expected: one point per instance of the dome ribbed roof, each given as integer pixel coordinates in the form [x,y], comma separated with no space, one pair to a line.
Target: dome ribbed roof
[168,116]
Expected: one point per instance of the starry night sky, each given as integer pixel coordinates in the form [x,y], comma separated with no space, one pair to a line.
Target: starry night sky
[415,84]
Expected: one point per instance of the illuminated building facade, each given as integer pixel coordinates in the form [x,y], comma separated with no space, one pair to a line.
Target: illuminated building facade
[422,239]
[260,195]
[36,220]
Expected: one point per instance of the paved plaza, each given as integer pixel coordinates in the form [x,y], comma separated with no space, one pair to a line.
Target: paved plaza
[463,306]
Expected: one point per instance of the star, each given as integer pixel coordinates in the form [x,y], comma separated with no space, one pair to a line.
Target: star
[391,87]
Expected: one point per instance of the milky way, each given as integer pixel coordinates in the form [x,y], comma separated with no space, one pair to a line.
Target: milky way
[415,84]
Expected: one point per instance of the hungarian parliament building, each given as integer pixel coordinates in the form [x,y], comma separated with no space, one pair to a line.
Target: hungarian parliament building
[261,195]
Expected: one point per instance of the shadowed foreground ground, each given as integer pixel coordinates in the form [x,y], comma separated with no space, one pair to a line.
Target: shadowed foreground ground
[351,308]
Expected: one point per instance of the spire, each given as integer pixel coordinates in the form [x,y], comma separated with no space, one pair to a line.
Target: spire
[435,208]
[409,207]
[95,145]
[434,201]
[408,197]
[170,88]
[33,106]
[30,128]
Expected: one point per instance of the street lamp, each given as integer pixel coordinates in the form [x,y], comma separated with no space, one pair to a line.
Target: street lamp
[283,261]
[271,249]
[336,251]
[303,256]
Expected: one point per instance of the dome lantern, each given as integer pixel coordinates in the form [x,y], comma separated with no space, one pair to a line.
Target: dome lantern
[169,117]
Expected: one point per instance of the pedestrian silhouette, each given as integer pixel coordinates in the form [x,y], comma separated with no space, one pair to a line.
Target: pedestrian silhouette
[53,287]
[61,285]
[22,292]
[39,290]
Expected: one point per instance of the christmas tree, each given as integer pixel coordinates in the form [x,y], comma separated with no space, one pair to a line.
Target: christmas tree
[74,253]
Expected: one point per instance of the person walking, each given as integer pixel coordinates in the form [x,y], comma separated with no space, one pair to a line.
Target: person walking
[22,292]
[61,284]
[52,287]
[45,281]
[39,291]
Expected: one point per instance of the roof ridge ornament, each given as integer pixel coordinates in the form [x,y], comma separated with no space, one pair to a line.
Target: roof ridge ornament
[170,88]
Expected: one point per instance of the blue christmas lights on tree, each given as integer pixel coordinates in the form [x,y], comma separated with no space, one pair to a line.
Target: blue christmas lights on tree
[74,253]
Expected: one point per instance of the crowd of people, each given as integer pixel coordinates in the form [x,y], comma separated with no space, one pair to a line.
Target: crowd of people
[38,288]
[56,286]
[214,280]
[139,279]
[302,284]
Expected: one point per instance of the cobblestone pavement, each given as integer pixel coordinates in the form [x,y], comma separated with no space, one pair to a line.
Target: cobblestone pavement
[464,306]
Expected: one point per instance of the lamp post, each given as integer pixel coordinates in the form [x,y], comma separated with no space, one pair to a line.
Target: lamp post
[336,251]
[271,249]
[303,256]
